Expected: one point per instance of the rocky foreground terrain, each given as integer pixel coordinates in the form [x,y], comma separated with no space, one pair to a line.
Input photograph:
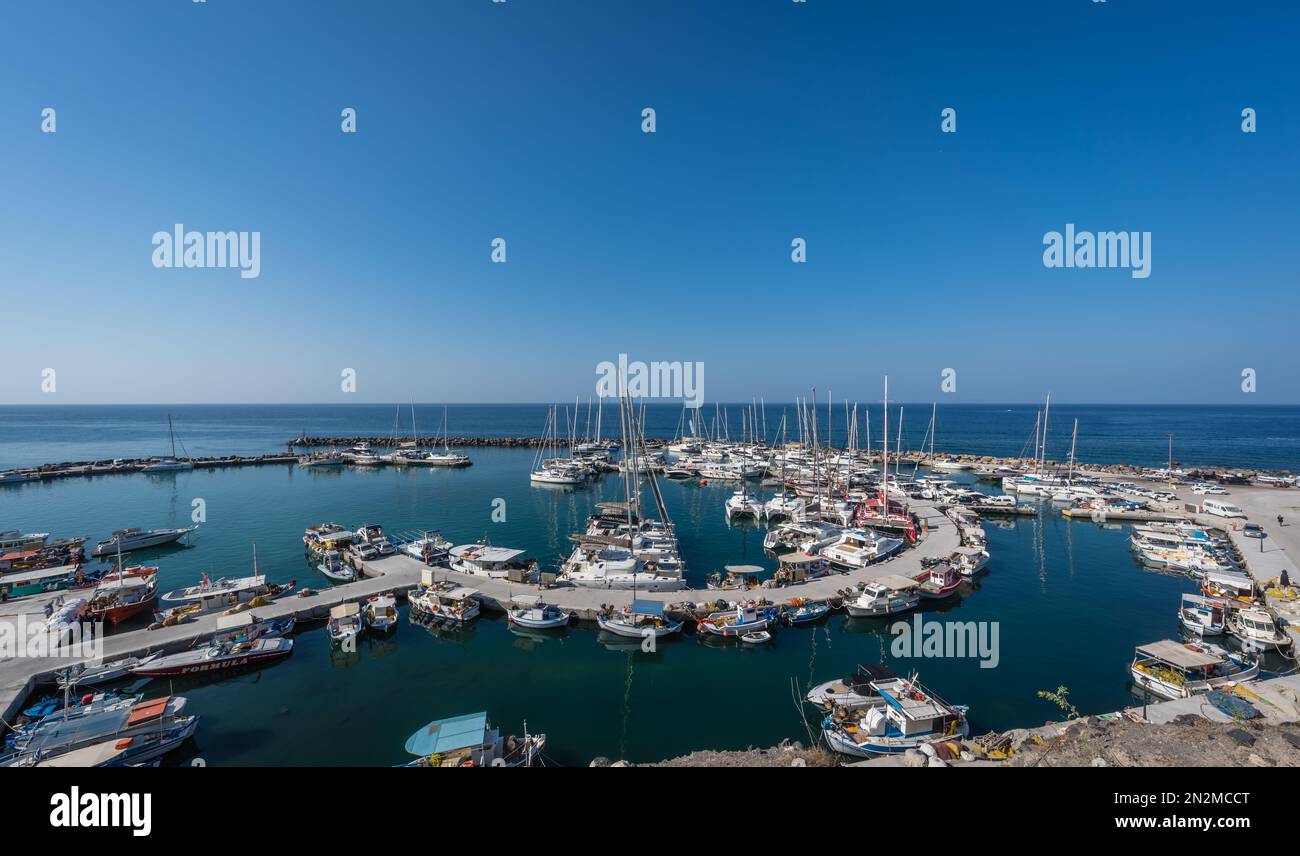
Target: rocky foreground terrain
[1189,741]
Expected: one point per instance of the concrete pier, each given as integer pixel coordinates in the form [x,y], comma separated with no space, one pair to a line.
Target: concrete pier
[399,573]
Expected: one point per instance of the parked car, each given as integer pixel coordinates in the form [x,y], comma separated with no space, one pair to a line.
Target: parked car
[1253,530]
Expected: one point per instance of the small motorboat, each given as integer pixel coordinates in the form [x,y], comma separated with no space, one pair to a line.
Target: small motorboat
[644,618]
[852,692]
[333,566]
[739,621]
[1256,630]
[380,614]
[345,622]
[85,675]
[757,638]
[217,658]
[803,611]
[471,741]
[532,612]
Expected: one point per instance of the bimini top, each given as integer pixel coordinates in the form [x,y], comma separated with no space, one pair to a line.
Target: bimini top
[744,569]
[652,608]
[1177,654]
[448,735]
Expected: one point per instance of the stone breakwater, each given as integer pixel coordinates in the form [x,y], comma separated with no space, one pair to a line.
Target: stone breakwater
[430,442]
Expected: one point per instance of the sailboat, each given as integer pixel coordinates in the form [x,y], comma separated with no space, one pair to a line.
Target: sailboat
[554,470]
[446,458]
[620,549]
[170,464]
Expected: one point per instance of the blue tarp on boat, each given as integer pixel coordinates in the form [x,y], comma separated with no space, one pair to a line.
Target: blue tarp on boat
[448,735]
[653,608]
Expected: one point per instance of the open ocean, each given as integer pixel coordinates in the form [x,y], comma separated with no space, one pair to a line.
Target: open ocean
[1069,600]
[1265,437]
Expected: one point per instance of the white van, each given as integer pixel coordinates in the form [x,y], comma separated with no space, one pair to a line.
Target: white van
[1220,508]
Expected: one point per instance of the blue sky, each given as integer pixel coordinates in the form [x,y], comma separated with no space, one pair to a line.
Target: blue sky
[522,120]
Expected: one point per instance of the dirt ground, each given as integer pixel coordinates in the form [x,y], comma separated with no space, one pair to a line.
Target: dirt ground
[1191,742]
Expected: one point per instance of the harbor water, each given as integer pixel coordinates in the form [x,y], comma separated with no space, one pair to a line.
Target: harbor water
[1067,598]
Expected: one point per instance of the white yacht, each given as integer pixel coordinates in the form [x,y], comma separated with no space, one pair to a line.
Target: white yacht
[126,540]
[857,548]
[361,455]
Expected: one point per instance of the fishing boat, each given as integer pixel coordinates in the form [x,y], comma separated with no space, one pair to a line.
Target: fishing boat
[380,614]
[1230,585]
[938,581]
[120,599]
[1201,616]
[484,560]
[970,561]
[858,548]
[851,692]
[1256,629]
[1176,670]
[470,741]
[126,540]
[245,627]
[641,619]
[888,595]
[906,716]
[319,540]
[139,720]
[333,566]
[800,612]
[743,619]
[736,577]
[458,604]
[221,657]
[223,588]
[169,464]
[345,622]
[532,612]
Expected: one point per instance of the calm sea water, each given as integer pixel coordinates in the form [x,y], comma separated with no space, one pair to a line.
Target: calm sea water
[1266,436]
[1068,599]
